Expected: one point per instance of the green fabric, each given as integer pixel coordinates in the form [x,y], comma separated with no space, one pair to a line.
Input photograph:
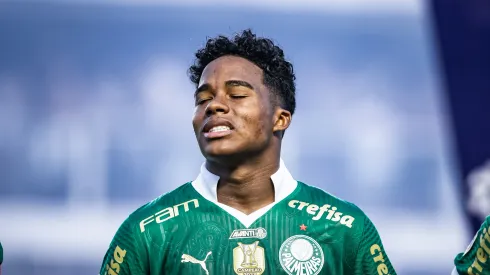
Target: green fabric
[310,232]
[476,259]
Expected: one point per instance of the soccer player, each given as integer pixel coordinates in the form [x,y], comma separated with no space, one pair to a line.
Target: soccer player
[476,259]
[1,257]
[245,213]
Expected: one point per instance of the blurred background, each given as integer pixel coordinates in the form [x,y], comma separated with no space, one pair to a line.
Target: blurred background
[96,107]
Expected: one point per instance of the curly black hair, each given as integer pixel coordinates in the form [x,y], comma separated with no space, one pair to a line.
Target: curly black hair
[278,73]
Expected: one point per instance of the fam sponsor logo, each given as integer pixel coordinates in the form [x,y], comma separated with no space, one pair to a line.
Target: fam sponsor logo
[317,212]
[301,255]
[169,213]
[257,233]
[114,267]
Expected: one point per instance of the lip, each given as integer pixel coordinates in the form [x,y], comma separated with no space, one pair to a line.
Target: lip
[208,125]
[213,135]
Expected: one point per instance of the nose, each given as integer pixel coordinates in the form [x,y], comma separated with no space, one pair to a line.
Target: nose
[217,105]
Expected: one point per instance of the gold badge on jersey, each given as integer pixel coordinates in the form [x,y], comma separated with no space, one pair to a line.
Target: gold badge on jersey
[249,259]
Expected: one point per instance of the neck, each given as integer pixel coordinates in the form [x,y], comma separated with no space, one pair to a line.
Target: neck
[247,186]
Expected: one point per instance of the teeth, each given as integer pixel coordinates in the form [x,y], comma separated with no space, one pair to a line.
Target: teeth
[219,129]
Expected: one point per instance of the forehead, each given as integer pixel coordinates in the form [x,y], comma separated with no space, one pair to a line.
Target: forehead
[231,68]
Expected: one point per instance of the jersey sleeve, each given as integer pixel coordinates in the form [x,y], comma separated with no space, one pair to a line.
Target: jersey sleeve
[125,255]
[1,257]
[476,259]
[371,257]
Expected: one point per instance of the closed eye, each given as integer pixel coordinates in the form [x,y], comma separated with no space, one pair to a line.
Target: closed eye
[201,101]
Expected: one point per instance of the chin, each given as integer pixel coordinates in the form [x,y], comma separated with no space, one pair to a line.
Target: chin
[219,150]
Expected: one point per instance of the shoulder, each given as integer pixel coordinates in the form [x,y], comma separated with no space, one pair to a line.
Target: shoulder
[486,223]
[475,243]
[323,206]
[162,208]
[477,250]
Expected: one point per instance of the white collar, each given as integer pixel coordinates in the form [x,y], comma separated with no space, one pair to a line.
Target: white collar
[206,184]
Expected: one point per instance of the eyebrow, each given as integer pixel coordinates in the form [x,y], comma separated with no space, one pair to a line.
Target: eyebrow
[235,83]
[229,83]
[202,88]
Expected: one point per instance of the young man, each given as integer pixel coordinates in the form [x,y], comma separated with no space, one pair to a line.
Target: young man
[476,259]
[244,213]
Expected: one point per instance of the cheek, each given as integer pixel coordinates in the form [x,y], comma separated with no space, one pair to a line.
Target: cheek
[196,122]
[194,126]
[258,124]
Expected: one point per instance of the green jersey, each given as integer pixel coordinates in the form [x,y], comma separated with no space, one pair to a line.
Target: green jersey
[476,259]
[309,232]
[1,257]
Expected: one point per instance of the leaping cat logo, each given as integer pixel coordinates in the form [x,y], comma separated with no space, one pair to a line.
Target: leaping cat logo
[189,259]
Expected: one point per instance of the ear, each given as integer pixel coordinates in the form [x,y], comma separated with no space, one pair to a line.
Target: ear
[282,119]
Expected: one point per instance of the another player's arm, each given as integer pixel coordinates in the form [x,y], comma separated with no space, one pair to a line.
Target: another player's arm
[125,255]
[476,259]
[1,257]
[371,257]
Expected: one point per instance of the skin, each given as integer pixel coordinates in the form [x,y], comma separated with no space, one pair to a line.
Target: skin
[231,92]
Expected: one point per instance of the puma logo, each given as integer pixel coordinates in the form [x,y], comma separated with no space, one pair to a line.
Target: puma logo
[189,259]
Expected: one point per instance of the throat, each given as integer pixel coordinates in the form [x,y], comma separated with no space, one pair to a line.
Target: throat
[246,197]
[246,187]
